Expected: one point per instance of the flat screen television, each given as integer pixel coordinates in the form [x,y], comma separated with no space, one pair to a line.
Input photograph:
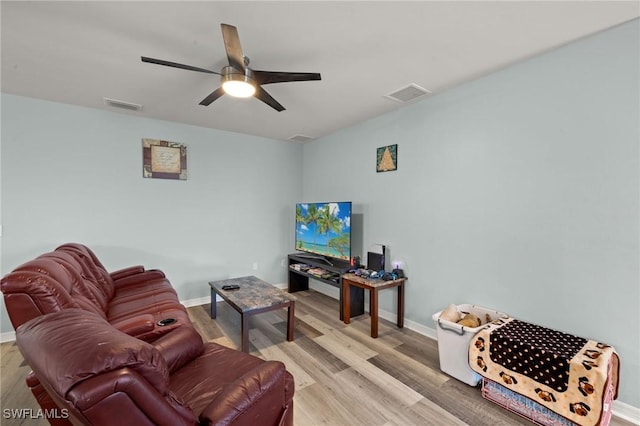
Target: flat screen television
[324,229]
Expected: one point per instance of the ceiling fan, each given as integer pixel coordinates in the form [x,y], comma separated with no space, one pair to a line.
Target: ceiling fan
[238,79]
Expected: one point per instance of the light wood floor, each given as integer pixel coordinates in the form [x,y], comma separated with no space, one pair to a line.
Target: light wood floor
[343,376]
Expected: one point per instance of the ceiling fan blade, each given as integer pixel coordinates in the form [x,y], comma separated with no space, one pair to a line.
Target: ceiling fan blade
[232,46]
[267,77]
[212,96]
[176,65]
[267,99]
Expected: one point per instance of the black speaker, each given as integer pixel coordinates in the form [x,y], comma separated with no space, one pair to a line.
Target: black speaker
[375,261]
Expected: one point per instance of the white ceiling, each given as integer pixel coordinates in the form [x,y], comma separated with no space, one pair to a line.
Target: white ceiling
[79,52]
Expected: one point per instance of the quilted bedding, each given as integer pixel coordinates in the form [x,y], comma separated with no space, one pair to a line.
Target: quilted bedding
[567,374]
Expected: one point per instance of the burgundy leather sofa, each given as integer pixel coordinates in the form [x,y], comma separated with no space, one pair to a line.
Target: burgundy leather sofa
[137,369]
[133,299]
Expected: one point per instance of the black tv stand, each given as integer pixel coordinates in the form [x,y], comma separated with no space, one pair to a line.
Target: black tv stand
[310,256]
[299,279]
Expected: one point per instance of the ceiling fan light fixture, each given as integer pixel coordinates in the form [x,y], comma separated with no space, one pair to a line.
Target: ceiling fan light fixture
[238,89]
[236,84]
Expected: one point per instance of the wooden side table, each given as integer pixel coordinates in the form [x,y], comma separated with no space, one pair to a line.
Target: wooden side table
[374,286]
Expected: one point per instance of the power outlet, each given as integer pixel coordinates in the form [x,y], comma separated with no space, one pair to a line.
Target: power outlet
[255,266]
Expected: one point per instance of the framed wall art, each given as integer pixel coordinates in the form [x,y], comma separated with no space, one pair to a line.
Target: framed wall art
[164,159]
[387,158]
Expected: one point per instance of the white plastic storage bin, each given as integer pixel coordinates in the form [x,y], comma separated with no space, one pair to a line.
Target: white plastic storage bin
[454,339]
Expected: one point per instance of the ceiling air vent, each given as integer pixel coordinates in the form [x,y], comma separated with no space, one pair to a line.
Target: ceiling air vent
[122,104]
[300,138]
[407,93]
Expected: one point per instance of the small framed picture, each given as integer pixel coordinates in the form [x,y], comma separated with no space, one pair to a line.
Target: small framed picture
[387,158]
[164,159]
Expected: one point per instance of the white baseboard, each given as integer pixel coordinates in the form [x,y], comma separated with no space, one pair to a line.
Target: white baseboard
[8,336]
[411,325]
[626,412]
[198,301]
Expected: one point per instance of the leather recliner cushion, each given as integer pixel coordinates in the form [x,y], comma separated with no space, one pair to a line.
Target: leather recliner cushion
[80,345]
[92,268]
[29,293]
[81,283]
[207,377]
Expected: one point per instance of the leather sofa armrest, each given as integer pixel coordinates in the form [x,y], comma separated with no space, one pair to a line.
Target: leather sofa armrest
[151,274]
[179,346]
[122,396]
[135,326]
[125,272]
[59,417]
[257,397]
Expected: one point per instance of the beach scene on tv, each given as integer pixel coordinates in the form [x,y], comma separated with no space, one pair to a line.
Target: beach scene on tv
[324,229]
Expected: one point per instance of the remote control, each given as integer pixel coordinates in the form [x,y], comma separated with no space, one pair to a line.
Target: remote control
[230,287]
[166,321]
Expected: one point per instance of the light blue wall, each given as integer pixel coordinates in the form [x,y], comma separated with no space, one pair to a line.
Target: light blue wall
[72,174]
[518,192]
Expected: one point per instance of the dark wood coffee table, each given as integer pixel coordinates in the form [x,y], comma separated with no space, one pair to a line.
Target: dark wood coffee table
[253,297]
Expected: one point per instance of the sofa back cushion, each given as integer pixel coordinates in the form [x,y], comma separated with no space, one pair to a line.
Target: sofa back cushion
[29,294]
[83,281]
[42,286]
[92,269]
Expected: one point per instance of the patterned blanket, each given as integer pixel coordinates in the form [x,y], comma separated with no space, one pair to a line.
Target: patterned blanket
[567,374]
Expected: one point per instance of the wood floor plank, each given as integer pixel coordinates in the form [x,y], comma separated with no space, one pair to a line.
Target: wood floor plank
[274,352]
[390,409]
[397,363]
[321,405]
[304,342]
[225,341]
[15,395]
[368,370]
[430,413]
[363,351]
[384,403]
[423,352]
[474,409]
[301,328]
[380,345]
[201,319]
[372,400]
[319,308]
[319,354]
[413,374]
